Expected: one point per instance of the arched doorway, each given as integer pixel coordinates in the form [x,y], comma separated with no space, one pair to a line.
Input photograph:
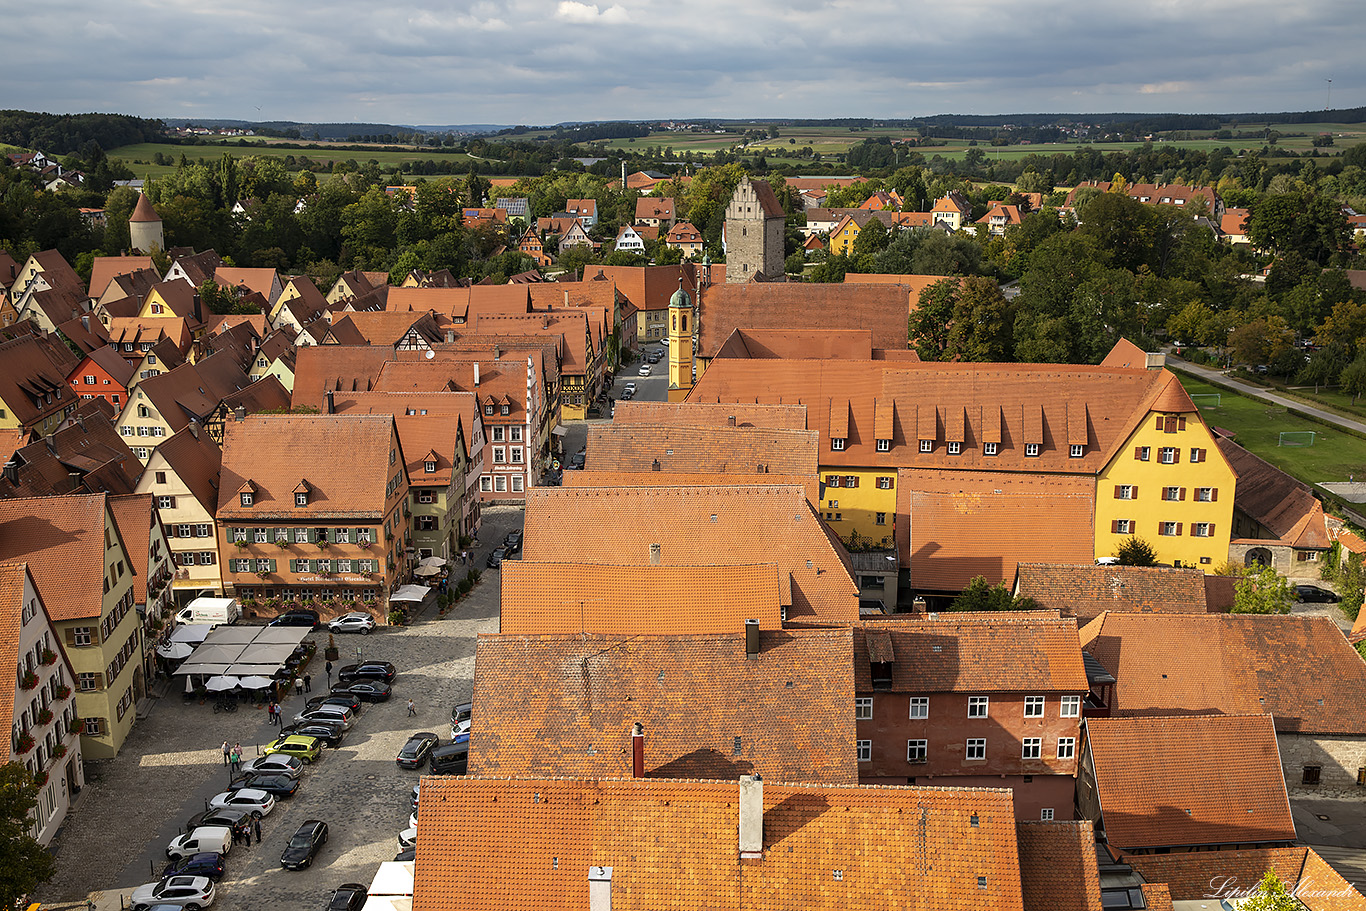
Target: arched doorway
[1257,556]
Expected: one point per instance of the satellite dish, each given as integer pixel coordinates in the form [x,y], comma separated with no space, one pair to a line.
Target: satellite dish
[430,354]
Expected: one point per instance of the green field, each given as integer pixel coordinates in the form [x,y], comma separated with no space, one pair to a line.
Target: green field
[139,157]
[1257,425]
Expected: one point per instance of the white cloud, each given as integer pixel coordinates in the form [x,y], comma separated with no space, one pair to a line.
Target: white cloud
[587,13]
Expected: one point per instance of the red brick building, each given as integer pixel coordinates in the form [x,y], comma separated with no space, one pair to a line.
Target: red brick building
[972,700]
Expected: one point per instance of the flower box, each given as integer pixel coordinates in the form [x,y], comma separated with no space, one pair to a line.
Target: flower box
[25,743]
[63,691]
[49,657]
[60,751]
[44,716]
[40,779]
[29,680]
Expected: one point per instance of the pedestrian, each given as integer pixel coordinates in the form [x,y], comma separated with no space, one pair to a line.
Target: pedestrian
[237,757]
[236,835]
[227,750]
[329,675]
[257,824]
[298,686]
[246,835]
[308,683]
[412,709]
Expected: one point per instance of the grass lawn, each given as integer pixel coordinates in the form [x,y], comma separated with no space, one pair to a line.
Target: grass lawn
[139,157]
[1257,426]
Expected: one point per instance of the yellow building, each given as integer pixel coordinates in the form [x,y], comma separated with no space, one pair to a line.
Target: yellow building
[680,344]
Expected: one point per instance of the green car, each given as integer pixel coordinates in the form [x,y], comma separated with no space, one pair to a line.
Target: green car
[306,748]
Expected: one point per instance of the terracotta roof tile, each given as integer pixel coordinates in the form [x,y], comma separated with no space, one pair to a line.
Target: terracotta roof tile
[143,211]
[1299,668]
[262,281]
[590,477]
[197,461]
[696,526]
[725,308]
[1154,790]
[105,268]
[134,515]
[708,711]
[1058,869]
[691,414]
[62,540]
[1274,499]
[954,653]
[87,445]
[748,451]
[528,843]
[33,381]
[1086,590]
[12,578]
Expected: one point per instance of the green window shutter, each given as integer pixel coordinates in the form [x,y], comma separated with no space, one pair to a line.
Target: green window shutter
[271,563]
[293,564]
[313,536]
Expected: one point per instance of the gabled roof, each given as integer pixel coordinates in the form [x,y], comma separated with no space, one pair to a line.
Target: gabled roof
[683,232]
[134,514]
[955,653]
[1192,876]
[345,458]
[523,844]
[654,207]
[1234,222]
[424,424]
[199,267]
[749,452]
[86,333]
[33,381]
[783,714]
[1275,500]
[62,540]
[85,455]
[593,478]
[1085,590]
[725,308]
[266,394]
[451,303]
[1153,792]
[697,526]
[382,327]
[1299,668]
[179,396]
[850,344]
[1058,869]
[111,362]
[106,268]
[197,461]
[691,414]
[262,281]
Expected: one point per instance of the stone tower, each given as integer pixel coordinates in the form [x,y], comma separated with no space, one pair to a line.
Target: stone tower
[680,344]
[144,227]
[754,233]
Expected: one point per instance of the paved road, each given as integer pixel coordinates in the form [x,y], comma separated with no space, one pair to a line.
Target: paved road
[1336,829]
[172,763]
[1258,392]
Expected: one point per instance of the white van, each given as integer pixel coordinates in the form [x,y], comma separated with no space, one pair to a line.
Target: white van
[214,611]
[215,839]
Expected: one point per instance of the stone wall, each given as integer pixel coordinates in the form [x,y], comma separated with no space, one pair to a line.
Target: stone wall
[1338,758]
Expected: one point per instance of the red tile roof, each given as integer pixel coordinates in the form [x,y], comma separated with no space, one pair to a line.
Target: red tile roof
[1058,869]
[1299,668]
[708,710]
[692,414]
[12,579]
[1086,590]
[697,526]
[134,514]
[1155,791]
[143,211]
[727,307]
[62,540]
[1203,875]
[528,844]
[749,452]
[1273,499]
[105,268]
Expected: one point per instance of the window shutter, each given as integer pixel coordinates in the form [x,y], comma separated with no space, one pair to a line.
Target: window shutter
[1176,456]
[1133,492]
[853,484]
[832,481]
[1211,529]
[1181,423]
[1178,528]
[1182,494]
[70,635]
[1159,423]
[172,502]
[1213,494]
[1114,526]
[292,565]
[271,563]
[313,536]
[1138,452]
[1118,490]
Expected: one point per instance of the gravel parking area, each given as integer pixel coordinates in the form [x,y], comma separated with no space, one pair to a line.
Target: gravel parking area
[172,763]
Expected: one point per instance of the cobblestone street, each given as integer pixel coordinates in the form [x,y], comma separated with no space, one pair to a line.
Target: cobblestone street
[132,806]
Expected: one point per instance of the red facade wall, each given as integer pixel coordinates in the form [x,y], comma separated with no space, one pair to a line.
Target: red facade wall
[105,387]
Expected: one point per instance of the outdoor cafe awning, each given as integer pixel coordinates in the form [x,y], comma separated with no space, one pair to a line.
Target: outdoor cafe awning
[410,593]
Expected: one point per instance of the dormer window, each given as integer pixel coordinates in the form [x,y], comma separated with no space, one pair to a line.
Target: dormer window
[955,447]
[429,466]
[927,445]
[1076,450]
[989,448]
[506,409]
[837,443]
[246,498]
[301,498]
[1031,449]
[488,409]
[884,445]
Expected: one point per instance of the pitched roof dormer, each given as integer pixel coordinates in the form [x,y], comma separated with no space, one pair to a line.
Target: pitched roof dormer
[247,493]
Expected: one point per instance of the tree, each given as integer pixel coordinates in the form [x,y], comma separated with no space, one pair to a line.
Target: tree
[981,596]
[1134,551]
[1323,368]
[929,322]
[23,862]
[1309,224]
[873,237]
[983,323]
[1271,895]
[214,297]
[1353,377]
[1262,590]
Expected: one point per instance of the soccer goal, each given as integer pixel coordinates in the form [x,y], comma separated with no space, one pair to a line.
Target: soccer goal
[1205,399]
[1296,438]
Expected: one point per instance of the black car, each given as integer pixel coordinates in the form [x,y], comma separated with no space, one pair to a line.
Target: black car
[208,864]
[336,697]
[238,820]
[366,691]
[406,854]
[415,752]
[1312,593]
[348,897]
[513,542]
[301,617]
[366,670]
[305,845]
[496,558]
[329,733]
[281,787]
[453,758]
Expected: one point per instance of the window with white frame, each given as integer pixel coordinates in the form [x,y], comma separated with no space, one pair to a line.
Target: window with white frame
[301,536]
[498,434]
[515,434]
[1124,526]
[246,498]
[917,751]
[1067,747]
[1170,529]
[1167,455]
[977,748]
[977,706]
[1201,529]
[927,445]
[1204,494]
[1124,492]
[1076,450]
[486,483]
[499,454]
[1031,449]
[865,751]
[884,483]
[301,498]
[500,484]
[954,447]
[1033,707]
[429,466]
[989,448]
[837,443]
[863,708]
[920,706]
[1070,707]
[516,482]
[1046,814]
[516,454]
[884,445]
[1032,748]
[261,536]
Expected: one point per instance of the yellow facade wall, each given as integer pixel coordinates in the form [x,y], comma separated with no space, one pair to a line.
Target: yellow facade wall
[857,509]
[1147,483]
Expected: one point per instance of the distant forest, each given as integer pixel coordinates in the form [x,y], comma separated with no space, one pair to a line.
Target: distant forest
[62,134]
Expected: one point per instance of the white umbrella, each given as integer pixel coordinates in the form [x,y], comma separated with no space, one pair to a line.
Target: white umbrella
[427,571]
[175,650]
[437,562]
[410,593]
[189,686]
[255,682]
[220,683]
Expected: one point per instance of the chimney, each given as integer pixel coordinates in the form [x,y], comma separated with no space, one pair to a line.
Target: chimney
[637,750]
[730,421]
[654,466]
[751,816]
[450,336]
[331,403]
[85,322]
[599,889]
[566,297]
[194,429]
[497,351]
[12,471]
[655,555]
[751,639]
[476,373]
[241,412]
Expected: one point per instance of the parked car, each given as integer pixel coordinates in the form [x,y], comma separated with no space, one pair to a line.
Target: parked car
[1314,594]
[206,863]
[281,787]
[499,554]
[407,854]
[645,369]
[328,712]
[255,801]
[298,617]
[354,622]
[451,758]
[304,845]
[513,542]
[628,393]
[414,800]
[233,819]
[461,717]
[367,670]
[407,838]
[630,387]
[202,840]
[306,748]
[188,892]
[348,897]
[274,764]
[416,751]
[336,697]
[329,733]
[366,691]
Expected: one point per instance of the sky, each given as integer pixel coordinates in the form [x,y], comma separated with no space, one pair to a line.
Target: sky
[547,61]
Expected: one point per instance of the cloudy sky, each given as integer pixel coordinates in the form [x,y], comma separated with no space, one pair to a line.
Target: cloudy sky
[545,61]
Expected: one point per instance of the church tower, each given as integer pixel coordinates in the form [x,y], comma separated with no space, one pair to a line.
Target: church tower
[680,344]
[754,233]
[144,227]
